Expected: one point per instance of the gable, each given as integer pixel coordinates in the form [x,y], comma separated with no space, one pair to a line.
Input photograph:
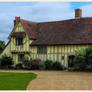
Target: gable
[25,27]
[19,28]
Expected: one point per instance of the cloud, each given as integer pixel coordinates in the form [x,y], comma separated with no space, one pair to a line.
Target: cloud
[38,12]
[87,10]
[46,11]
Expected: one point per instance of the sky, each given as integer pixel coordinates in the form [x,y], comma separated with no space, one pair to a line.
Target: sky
[38,12]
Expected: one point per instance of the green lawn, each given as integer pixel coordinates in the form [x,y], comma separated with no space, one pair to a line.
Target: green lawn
[15,81]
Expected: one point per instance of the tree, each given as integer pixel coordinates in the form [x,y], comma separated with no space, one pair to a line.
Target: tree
[2,46]
[83,58]
[6,61]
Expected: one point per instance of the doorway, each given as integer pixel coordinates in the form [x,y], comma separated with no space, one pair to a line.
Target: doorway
[71,60]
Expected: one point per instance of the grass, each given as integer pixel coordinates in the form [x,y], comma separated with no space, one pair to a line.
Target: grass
[15,81]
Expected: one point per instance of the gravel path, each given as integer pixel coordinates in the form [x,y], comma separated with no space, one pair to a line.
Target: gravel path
[58,80]
[61,80]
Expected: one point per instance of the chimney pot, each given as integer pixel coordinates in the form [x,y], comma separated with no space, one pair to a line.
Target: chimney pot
[78,13]
[16,20]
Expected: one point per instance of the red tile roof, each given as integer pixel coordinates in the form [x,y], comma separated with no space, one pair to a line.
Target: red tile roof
[73,31]
[30,28]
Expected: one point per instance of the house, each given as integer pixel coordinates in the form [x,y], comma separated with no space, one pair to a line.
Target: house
[57,41]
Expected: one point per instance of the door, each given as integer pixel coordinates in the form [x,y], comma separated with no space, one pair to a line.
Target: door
[71,60]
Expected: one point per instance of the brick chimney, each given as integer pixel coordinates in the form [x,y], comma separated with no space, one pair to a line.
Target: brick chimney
[16,20]
[78,13]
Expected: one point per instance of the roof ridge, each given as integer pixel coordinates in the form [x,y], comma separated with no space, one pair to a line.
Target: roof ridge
[27,21]
[65,20]
[56,21]
[72,31]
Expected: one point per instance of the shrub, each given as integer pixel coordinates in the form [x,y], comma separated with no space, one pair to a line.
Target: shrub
[88,56]
[34,64]
[57,65]
[83,59]
[6,61]
[48,64]
[2,46]
[19,66]
[79,62]
[42,67]
[71,69]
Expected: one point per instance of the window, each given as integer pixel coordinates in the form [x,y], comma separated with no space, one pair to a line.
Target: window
[42,50]
[62,57]
[19,41]
[20,57]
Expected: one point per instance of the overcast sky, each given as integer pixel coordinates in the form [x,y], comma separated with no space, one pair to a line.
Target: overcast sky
[38,12]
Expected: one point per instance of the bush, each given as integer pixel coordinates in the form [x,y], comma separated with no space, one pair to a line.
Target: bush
[57,65]
[80,63]
[71,69]
[2,46]
[48,64]
[34,64]
[19,66]
[6,61]
[83,59]
[42,67]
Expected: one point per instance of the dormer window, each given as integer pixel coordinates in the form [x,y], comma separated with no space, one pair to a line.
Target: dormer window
[19,41]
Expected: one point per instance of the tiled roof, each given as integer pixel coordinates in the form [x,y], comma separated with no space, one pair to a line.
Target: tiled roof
[73,31]
[30,28]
